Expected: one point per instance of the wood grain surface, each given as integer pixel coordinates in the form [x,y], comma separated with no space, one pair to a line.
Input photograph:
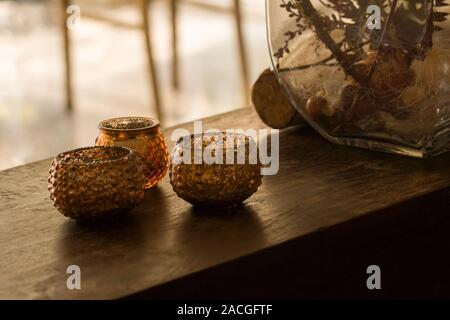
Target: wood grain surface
[319,187]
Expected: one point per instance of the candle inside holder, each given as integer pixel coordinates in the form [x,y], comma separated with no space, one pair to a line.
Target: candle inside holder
[142,135]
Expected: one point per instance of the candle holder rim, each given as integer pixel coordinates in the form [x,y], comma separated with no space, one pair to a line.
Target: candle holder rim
[72,153]
[192,136]
[154,124]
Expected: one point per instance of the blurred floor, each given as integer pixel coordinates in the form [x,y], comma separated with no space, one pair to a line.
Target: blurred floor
[110,72]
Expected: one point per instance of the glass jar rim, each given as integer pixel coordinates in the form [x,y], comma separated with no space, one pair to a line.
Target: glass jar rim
[147,124]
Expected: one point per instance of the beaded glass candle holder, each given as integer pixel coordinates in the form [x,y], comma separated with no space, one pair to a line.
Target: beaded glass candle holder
[215,170]
[96,181]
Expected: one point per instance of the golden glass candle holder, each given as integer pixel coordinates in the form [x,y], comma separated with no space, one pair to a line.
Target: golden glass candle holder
[142,135]
[96,181]
[205,183]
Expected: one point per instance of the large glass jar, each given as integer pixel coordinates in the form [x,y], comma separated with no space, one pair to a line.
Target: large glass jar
[367,73]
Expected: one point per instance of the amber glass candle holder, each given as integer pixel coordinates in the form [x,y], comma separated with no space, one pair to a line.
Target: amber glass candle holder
[142,135]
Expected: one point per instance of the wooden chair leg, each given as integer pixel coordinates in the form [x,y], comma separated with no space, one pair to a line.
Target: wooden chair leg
[242,52]
[174,16]
[151,61]
[64,4]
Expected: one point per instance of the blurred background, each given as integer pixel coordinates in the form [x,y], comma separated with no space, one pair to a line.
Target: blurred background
[109,70]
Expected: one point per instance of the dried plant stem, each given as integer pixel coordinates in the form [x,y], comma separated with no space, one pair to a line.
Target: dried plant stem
[307,66]
[383,35]
[373,65]
[319,63]
[314,19]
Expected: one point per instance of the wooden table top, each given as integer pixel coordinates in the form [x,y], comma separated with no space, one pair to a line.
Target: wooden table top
[319,186]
